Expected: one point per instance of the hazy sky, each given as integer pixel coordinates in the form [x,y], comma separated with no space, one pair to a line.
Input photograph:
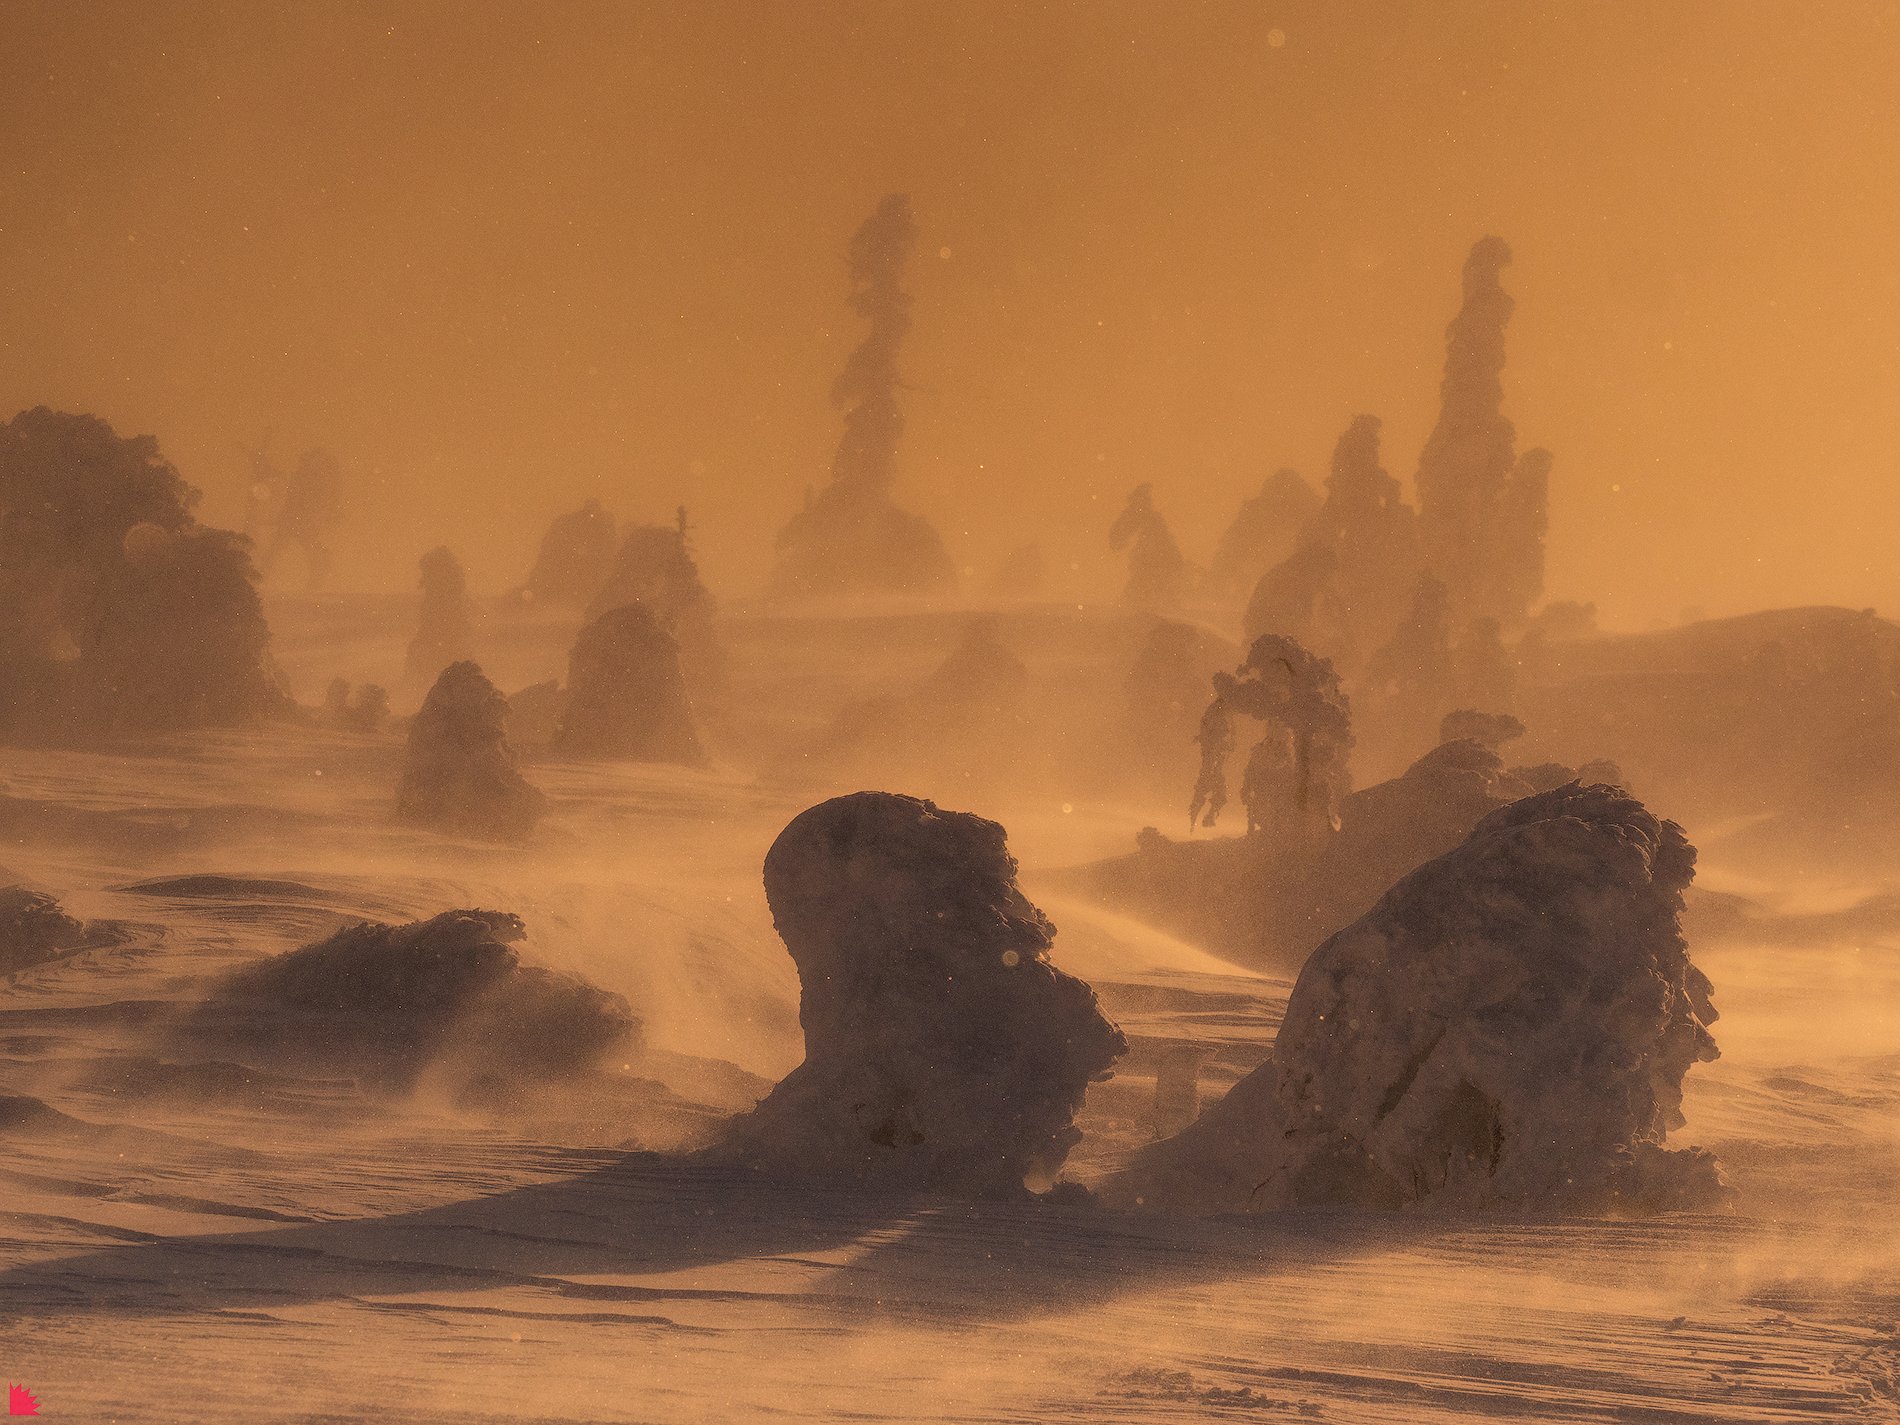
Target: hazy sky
[502,256]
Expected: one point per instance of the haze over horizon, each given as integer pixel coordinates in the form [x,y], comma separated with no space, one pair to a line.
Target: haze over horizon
[499,260]
[1012,909]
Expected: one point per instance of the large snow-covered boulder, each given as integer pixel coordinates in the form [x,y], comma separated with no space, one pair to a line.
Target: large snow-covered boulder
[626,694]
[447,1000]
[460,774]
[942,1049]
[1509,1026]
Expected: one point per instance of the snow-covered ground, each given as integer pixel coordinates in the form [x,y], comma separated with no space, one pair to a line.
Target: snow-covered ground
[187,1242]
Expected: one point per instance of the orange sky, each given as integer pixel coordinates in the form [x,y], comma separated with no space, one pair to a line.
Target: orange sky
[501,256]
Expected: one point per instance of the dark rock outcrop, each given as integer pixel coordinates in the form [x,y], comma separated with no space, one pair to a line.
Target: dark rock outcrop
[34,930]
[1509,1027]
[626,693]
[460,774]
[445,1000]
[942,1049]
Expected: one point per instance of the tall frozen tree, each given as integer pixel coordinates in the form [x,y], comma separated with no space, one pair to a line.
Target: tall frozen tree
[851,536]
[1523,522]
[655,568]
[1266,530]
[1374,535]
[1482,530]
[1348,584]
